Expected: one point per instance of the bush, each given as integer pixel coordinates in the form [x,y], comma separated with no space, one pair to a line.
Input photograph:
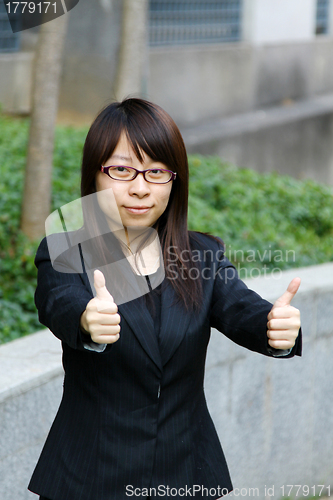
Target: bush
[18,314]
[259,217]
[267,221]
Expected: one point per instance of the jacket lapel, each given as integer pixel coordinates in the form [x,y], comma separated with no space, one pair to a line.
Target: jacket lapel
[140,321]
[174,323]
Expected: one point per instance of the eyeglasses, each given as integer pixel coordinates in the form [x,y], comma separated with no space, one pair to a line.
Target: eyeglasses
[153,175]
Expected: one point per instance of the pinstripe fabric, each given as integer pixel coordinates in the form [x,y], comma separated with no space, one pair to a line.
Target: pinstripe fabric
[135,414]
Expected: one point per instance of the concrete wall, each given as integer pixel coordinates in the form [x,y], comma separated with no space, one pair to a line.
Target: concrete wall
[279,59]
[31,379]
[274,416]
[295,139]
[193,83]
[89,62]
[198,83]
[90,57]
[15,82]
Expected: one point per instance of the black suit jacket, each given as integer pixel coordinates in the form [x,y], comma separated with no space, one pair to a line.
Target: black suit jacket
[135,415]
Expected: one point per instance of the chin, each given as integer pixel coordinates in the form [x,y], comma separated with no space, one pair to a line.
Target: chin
[136,223]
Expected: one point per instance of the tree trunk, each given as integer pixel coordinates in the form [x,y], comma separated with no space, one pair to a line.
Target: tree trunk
[133,49]
[37,188]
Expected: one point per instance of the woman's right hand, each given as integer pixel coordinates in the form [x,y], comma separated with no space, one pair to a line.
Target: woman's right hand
[100,319]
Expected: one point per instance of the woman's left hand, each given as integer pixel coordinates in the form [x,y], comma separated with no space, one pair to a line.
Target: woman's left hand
[284,320]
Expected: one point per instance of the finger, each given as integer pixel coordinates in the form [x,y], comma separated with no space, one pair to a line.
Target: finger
[281,335]
[283,324]
[281,344]
[108,319]
[288,295]
[99,284]
[99,331]
[102,330]
[106,339]
[283,312]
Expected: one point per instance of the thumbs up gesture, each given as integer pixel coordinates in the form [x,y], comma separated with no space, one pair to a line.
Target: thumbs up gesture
[101,319]
[284,320]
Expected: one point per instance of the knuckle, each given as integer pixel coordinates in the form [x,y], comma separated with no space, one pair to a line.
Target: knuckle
[90,305]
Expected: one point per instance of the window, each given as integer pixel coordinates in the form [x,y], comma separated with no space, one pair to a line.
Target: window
[9,41]
[322,17]
[178,22]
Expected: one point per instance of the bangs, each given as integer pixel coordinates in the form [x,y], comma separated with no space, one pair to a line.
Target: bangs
[149,129]
[146,133]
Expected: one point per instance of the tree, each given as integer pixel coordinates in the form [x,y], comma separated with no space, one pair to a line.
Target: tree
[133,49]
[37,188]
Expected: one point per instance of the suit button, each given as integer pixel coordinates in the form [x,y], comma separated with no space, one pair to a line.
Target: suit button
[159,391]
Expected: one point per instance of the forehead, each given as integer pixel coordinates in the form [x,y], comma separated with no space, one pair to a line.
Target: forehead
[124,151]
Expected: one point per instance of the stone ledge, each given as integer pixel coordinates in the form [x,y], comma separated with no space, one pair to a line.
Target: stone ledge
[313,279]
[257,120]
[29,362]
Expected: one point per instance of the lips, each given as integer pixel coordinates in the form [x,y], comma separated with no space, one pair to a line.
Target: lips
[138,210]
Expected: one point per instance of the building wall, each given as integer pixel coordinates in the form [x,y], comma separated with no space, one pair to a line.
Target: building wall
[16,82]
[90,57]
[195,84]
[280,58]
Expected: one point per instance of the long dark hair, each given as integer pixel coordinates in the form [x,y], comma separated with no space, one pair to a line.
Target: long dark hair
[150,129]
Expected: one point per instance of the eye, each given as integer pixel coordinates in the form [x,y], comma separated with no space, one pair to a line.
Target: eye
[156,171]
[120,169]
[120,172]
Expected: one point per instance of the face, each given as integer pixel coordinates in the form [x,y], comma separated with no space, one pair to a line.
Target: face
[140,203]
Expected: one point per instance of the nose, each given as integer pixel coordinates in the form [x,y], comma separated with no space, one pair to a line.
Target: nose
[139,187]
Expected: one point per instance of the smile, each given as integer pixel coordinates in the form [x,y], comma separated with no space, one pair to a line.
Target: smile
[138,210]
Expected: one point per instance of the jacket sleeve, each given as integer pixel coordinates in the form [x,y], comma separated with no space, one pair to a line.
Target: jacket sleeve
[61,298]
[241,314]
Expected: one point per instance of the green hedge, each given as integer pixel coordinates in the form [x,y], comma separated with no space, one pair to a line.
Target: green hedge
[266,221]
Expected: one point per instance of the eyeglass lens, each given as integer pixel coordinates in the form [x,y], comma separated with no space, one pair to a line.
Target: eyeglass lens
[125,174]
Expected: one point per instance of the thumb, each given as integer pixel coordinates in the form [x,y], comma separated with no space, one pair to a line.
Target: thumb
[99,284]
[289,294]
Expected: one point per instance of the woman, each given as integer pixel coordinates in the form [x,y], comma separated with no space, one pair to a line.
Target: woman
[133,419]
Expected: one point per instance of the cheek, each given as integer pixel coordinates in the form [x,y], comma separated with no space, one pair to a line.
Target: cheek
[102,181]
[164,196]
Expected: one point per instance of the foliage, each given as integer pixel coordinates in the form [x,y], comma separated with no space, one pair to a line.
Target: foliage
[18,314]
[266,221]
[253,213]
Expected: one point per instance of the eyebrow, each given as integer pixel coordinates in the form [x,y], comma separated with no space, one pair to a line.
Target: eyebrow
[121,157]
